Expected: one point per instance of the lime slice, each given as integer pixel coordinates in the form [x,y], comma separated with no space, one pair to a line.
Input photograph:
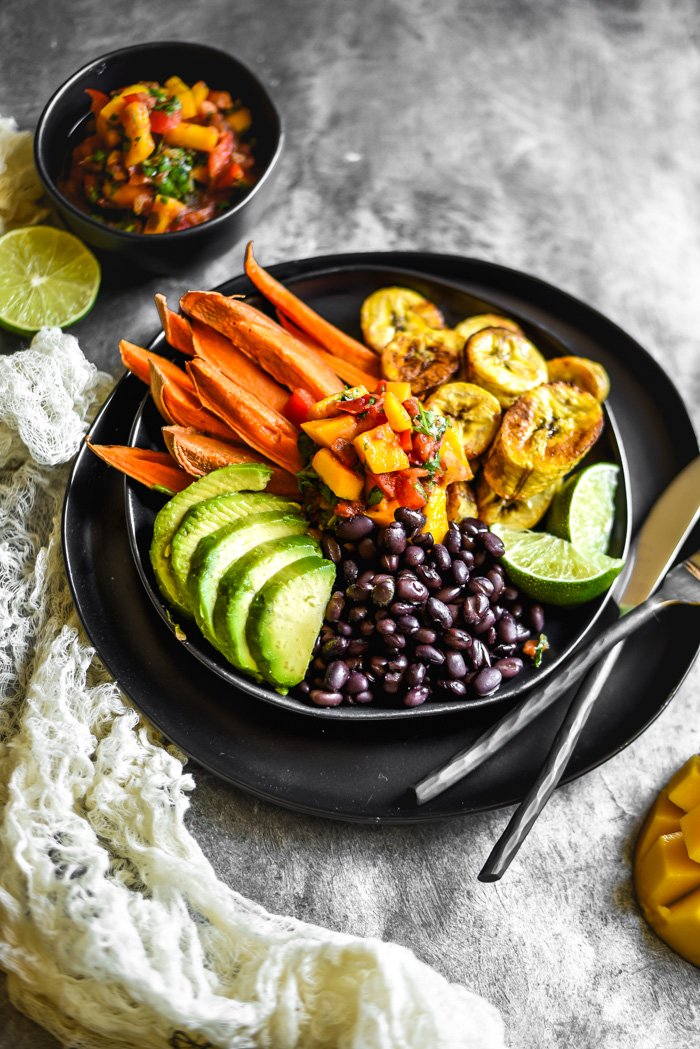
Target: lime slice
[48,278]
[552,570]
[583,511]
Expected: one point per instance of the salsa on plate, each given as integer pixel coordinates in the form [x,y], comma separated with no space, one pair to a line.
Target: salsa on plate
[161,157]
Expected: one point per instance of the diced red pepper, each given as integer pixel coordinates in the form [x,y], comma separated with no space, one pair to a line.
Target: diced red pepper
[220,155]
[385,482]
[298,406]
[424,446]
[232,173]
[141,96]
[99,99]
[412,407]
[221,99]
[409,489]
[406,439]
[356,406]
[162,122]
[346,509]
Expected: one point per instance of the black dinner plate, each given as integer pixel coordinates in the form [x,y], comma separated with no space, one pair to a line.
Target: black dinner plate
[338,295]
[359,771]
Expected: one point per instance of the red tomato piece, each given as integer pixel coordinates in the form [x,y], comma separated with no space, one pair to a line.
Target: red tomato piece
[406,439]
[345,509]
[162,122]
[221,99]
[424,446]
[297,407]
[195,216]
[232,173]
[409,489]
[99,99]
[412,407]
[220,155]
[356,406]
[385,482]
[141,96]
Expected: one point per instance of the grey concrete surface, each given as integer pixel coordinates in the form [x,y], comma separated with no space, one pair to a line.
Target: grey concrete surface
[557,138]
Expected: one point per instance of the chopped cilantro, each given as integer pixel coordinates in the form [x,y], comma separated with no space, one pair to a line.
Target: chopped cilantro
[171,170]
[92,193]
[430,423]
[375,496]
[168,105]
[307,448]
[542,646]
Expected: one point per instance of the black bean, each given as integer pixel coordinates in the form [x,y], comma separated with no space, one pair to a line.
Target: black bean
[425,636]
[331,549]
[401,608]
[333,649]
[378,665]
[358,591]
[460,572]
[480,585]
[470,526]
[395,641]
[509,667]
[350,571]
[411,590]
[392,682]
[499,570]
[458,639]
[408,624]
[498,611]
[474,607]
[466,557]
[323,698]
[334,609]
[486,681]
[493,543]
[367,628]
[509,594]
[439,612]
[430,654]
[363,697]
[319,664]
[357,614]
[414,556]
[411,519]
[456,689]
[478,655]
[357,682]
[429,576]
[398,661]
[357,646]
[442,558]
[453,540]
[424,539]
[344,630]
[389,562]
[522,633]
[304,688]
[415,696]
[455,608]
[468,545]
[507,629]
[516,609]
[386,626]
[415,674]
[383,592]
[367,549]
[355,528]
[536,616]
[394,538]
[497,581]
[456,667]
[480,558]
[490,637]
[447,594]
[485,623]
[503,650]
[337,674]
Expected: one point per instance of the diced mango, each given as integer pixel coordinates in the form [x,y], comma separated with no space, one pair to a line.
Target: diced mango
[435,511]
[193,136]
[107,121]
[400,390]
[684,788]
[453,460]
[137,127]
[342,481]
[380,450]
[176,86]
[397,416]
[679,926]
[327,431]
[200,90]
[164,210]
[665,872]
[663,818]
[240,120]
[690,825]
[328,406]
[383,512]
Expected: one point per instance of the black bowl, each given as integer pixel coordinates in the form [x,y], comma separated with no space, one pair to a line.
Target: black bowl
[66,112]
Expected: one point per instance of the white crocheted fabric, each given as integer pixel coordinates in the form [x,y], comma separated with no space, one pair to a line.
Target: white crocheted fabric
[114,930]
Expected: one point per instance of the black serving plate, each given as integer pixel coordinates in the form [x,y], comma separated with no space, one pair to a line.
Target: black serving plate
[354,770]
[338,295]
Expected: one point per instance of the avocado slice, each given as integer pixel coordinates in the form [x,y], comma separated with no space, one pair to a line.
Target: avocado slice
[238,587]
[285,618]
[250,476]
[206,517]
[220,549]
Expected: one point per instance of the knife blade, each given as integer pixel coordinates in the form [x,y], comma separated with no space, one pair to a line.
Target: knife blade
[664,531]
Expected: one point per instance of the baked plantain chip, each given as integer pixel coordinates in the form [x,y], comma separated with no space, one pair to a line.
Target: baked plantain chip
[389,311]
[515,513]
[460,501]
[542,436]
[471,325]
[426,359]
[504,363]
[473,413]
[580,371]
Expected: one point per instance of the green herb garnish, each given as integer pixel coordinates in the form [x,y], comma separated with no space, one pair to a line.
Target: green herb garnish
[375,496]
[430,423]
[542,646]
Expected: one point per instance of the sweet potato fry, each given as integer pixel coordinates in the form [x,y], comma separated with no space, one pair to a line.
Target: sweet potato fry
[176,328]
[155,469]
[178,405]
[137,360]
[198,454]
[348,372]
[212,346]
[290,362]
[331,338]
[255,423]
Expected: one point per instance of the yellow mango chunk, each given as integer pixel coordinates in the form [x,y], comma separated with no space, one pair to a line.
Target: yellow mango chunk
[400,390]
[107,121]
[343,482]
[453,460]
[664,818]
[684,788]
[240,120]
[200,90]
[679,926]
[380,450]
[164,210]
[176,86]
[666,872]
[396,414]
[328,406]
[435,511]
[137,127]
[690,825]
[327,431]
[383,512]
[192,136]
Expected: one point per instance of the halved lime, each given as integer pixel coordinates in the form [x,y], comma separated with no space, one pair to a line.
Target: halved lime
[552,570]
[583,510]
[48,278]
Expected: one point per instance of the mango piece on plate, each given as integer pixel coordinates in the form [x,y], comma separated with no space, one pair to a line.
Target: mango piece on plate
[667,863]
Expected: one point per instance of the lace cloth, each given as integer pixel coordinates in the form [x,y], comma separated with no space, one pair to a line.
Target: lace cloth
[114,930]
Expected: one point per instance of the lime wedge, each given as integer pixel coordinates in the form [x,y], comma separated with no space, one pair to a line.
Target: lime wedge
[583,510]
[48,278]
[552,570]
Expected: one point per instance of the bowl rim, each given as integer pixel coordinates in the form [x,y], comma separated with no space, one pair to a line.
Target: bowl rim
[124,235]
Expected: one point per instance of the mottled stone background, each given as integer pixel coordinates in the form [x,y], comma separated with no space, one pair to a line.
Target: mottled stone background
[556,137]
